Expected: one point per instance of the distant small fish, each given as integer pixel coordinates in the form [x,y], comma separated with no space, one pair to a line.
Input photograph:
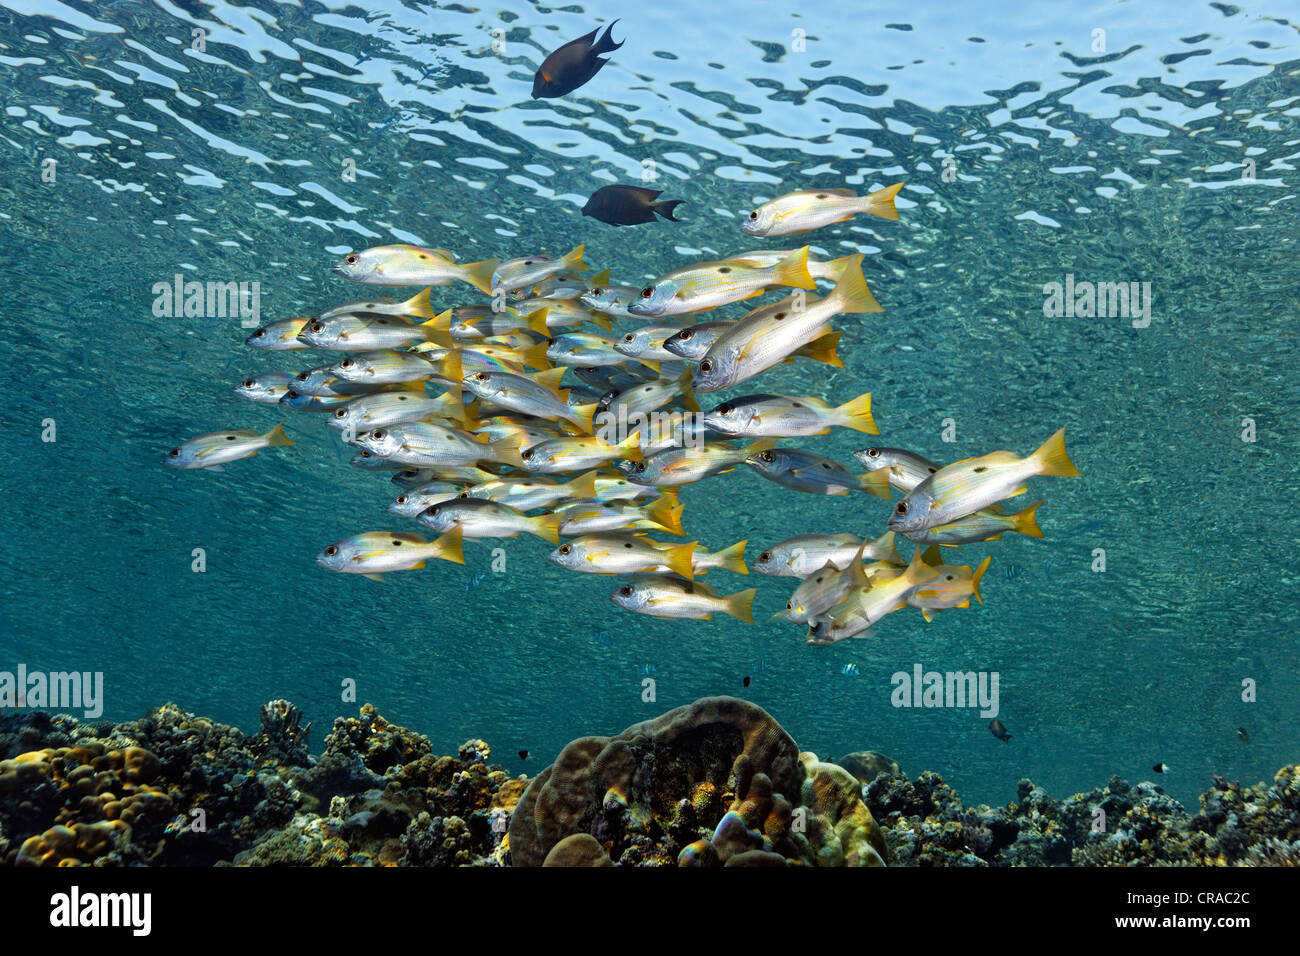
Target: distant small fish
[475,581]
[1161,768]
[523,755]
[1243,735]
[746,681]
[850,670]
[629,205]
[214,449]
[999,730]
[573,64]
[761,666]
[603,640]
[1014,571]
[647,670]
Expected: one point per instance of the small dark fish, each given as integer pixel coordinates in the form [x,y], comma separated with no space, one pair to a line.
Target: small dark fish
[746,681]
[629,205]
[1243,735]
[523,755]
[1161,768]
[998,730]
[573,64]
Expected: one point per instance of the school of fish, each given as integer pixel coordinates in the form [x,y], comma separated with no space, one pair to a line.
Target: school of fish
[567,407]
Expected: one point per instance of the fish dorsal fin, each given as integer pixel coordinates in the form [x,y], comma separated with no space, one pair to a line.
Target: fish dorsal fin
[837,191]
[857,571]
[550,379]
[932,556]
[449,256]
[600,279]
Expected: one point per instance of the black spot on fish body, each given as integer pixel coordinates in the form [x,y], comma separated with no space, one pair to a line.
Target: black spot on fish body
[981,469]
[724,270]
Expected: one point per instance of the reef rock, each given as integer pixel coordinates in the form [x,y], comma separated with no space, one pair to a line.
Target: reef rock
[705,784]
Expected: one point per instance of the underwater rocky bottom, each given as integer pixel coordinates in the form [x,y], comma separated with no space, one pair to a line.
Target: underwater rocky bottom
[714,783]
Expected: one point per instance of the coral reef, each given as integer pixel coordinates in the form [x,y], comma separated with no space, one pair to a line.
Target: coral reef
[715,783]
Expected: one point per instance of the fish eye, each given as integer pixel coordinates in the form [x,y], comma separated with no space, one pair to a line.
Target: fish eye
[724,409]
[175,453]
[291,394]
[434,510]
[259,333]
[767,456]
[629,337]
[401,499]
[753,215]
[346,363]
[377,434]
[685,335]
[706,366]
[873,452]
[341,413]
[481,376]
[352,259]
[331,551]
[625,590]
[640,466]
[527,456]
[303,376]
[648,292]
[565,549]
[248,383]
[901,509]
[765,556]
[789,605]
[365,454]
[317,327]
[597,291]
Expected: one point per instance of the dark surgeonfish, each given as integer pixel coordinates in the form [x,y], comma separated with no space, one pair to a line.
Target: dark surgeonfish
[629,205]
[573,64]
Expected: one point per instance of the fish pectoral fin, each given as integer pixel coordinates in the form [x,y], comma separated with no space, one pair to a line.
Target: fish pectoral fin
[374,577]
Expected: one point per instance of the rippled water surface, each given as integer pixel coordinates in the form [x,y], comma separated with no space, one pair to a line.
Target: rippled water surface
[1162,149]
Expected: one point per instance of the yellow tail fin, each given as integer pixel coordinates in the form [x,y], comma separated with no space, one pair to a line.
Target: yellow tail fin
[979,573]
[421,307]
[1025,522]
[448,547]
[506,450]
[680,559]
[537,322]
[666,512]
[824,350]
[856,414]
[479,274]
[881,202]
[1053,460]
[630,447]
[573,259]
[741,605]
[581,415]
[584,486]
[793,270]
[876,483]
[535,357]
[549,379]
[547,526]
[733,558]
[276,436]
[852,292]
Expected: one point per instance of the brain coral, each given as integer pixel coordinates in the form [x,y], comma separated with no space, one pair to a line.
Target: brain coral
[720,772]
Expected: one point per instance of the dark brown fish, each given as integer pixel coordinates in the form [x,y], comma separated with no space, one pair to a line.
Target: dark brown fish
[999,730]
[573,64]
[629,205]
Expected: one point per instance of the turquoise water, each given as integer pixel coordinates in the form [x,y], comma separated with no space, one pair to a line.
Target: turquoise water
[1121,165]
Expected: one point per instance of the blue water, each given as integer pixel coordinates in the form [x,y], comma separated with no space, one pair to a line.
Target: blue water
[1118,165]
